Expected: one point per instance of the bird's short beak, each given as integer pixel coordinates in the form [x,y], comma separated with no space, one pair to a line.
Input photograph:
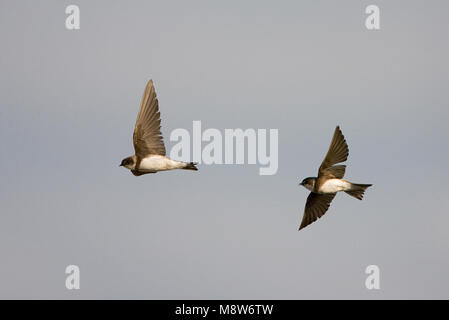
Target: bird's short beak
[120,165]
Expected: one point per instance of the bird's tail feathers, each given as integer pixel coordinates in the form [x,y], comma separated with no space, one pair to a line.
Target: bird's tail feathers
[191,166]
[357,190]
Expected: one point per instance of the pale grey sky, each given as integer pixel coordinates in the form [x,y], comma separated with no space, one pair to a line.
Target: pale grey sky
[69,100]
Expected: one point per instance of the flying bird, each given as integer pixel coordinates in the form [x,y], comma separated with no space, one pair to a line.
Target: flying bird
[148,141]
[329,181]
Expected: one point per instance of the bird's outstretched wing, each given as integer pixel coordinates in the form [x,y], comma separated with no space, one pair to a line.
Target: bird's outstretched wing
[147,136]
[338,152]
[316,207]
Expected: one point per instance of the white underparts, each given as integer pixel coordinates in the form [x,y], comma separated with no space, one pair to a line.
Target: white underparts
[160,163]
[335,185]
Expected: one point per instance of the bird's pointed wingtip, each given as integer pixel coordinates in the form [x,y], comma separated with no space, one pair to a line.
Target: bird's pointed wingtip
[150,85]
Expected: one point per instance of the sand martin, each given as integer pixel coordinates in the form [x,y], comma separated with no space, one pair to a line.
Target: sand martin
[148,142]
[329,181]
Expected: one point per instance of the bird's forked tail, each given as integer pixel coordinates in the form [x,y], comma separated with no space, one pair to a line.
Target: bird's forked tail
[357,190]
[190,166]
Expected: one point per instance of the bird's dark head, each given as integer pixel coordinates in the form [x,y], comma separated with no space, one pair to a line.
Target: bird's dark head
[128,163]
[308,183]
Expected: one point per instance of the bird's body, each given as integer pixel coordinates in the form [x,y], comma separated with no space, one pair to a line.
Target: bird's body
[161,163]
[155,163]
[332,186]
[329,181]
[148,142]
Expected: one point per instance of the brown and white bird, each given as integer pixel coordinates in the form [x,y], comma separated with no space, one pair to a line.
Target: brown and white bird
[148,142]
[329,181]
